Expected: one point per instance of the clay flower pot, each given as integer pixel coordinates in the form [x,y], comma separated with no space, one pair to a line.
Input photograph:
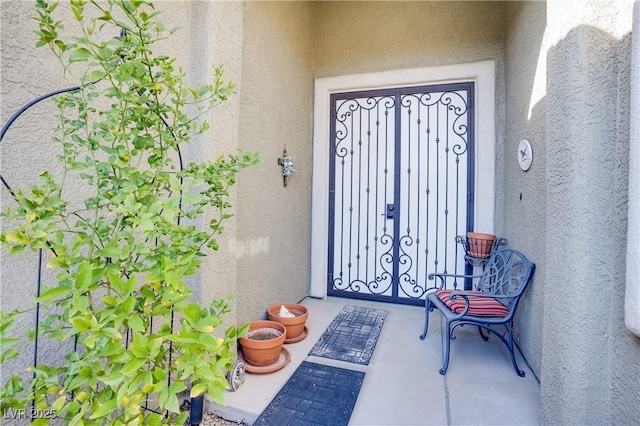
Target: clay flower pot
[480,244]
[295,324]
[262,344]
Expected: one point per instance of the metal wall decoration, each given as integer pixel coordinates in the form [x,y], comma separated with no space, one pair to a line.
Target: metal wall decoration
[401,188]
[287,162]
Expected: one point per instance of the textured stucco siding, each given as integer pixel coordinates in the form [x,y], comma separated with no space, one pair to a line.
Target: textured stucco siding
[590,361]
[624,362]
[354,37]
[276,105]
[215,34]
[524,196]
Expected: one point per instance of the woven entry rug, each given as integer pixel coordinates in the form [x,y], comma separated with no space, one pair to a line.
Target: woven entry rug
[351,336]
[315,394]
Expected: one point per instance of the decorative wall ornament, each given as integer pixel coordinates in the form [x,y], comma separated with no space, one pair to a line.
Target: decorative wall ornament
[287,162]
[525,155]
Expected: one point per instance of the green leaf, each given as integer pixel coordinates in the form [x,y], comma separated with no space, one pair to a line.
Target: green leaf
[173,279]
[110,301]
[231,332]
[111,249]
[85,275]
[77,419]
[136,324]
[111,349]
[96,76]
[172,403]
[192,313]
[155,419]
[154,346]
[116,281]
[206,372]
[112,333]
[90,341]
[59,403]
[77,381]
[243,330]
[113,380]
[146,224]
[79,54]
[177,387]
[8,354]
[130,285]
[132,367]
[182,418]
[81,325]
[139,347]
[53,294]
[104,409]
[198,389]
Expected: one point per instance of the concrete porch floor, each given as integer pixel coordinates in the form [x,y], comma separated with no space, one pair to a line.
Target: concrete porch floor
[402,385]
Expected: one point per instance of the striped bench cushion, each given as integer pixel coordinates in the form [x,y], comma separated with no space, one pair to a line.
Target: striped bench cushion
[478,306]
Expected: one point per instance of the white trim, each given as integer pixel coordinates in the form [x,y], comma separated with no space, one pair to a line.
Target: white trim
[483,73]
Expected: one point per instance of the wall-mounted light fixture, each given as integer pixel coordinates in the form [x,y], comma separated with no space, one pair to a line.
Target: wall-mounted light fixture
[287,162]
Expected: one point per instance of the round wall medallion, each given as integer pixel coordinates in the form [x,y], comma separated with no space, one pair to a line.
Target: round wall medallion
[525,155]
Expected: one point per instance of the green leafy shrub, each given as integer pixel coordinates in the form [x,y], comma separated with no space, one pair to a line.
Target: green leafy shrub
[123,252]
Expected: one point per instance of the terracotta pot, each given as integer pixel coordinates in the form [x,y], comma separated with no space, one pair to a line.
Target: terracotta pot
[259,346]
[480,244]
[294,325]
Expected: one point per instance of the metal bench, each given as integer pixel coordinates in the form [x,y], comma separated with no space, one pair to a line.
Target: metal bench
[490,306]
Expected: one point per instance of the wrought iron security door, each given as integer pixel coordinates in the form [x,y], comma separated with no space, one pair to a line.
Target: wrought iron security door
[400,189]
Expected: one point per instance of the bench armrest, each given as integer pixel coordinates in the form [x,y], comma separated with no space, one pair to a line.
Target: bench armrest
[443,277]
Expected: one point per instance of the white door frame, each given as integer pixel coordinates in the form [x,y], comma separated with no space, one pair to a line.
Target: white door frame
[482,73]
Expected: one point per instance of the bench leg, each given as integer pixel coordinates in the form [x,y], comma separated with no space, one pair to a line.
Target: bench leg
[427,308]
[446,347]
[509,343]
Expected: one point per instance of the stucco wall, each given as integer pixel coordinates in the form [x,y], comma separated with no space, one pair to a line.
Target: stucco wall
[215,37]
[276,106]
[354,37]
[524,195]
[590,360]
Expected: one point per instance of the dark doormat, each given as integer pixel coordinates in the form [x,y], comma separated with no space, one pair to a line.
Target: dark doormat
[315,394]
[351,336]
